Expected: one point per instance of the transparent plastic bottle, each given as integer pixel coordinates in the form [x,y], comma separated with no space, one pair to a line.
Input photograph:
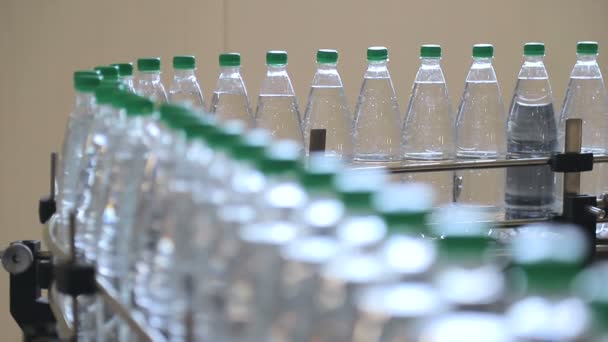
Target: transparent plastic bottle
[153,197]
[106,142]
[303,257]
[148,81]
[327,116]
[185,89]
[480,134]
[428,129]
[78,125]
[97,143]
[125,75]
[230,99]
[546,259]
[376,132]
[467,275]
[277,108]
[381,309]
[531,132]
[588,285]
[238,208]
[587,99]
[255,277]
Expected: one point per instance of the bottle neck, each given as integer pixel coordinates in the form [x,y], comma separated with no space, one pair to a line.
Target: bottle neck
[183,74]
[276,70]
[150,76]
[430,62]
[230,72]
[327,76]
[377,69]
[586,58]
[83,99]
[482,71]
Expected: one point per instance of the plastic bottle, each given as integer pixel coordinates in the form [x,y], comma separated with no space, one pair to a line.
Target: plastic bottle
[428,129]
[277,108]
[230,99]
[258,265]
[546,259]
[125,75]
[587,99]
[376,132]
[327,119]
[185,89]
[531,132]
[97,143]
[78,125]
[480,134]
[148,82]
[588,285]
[382,309]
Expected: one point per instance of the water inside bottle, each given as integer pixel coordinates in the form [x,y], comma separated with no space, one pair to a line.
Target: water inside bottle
[377,133]
[230,106]
[328,111]
[530,190]
[279,114]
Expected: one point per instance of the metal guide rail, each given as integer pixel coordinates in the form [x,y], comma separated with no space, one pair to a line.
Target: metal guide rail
[33,270]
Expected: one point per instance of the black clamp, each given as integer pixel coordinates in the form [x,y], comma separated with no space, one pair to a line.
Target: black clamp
[571,162]
[75,278]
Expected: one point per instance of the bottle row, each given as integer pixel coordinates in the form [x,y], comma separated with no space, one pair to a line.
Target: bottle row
[213,232]
[430,130]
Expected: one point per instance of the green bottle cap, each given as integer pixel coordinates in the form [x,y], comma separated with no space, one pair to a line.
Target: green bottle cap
[430,51]
[543,278]
[404,207]
[174,116]
[356,187]
[252,145]
[590,285]
[539,243]
[184,62]
[483,51]
[230,59]
[136,105]
[276,58]
[86,81]
[281,158]
[534,49]
[105,92]
[320,173]
[79,73]
[119,101]
[464,249]
[232,131]
[325,56]
[148,64]
[124,69]
[108,72]
[198,129]
[377,53]
[587,48]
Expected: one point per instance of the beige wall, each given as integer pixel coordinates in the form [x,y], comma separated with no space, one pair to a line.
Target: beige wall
[42,42]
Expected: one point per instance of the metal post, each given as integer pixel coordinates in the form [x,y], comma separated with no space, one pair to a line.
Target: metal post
[574,141]
[75,315]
